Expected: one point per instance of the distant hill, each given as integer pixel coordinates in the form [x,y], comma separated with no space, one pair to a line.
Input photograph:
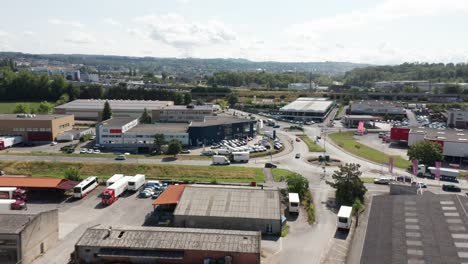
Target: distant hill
[190,67]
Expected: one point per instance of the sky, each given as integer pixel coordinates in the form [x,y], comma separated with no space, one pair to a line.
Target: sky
[362,31]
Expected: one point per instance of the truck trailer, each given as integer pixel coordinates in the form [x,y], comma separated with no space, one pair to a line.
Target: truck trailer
[446,174]
[136,182]
[8,142]
[243,156]
[114,179]
[112,193]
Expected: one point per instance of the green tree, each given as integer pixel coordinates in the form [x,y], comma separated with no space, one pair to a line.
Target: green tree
[232,99]
[358,208]
[174,147]
[347,184]
[297,184]
[223,104]
[453,89]
[187,98]
[64,98]
[21,109]
[107,111]
[158,142]
[200,102]
[45,107]
[426,152]
[145,117]
[72,173]
[179,99]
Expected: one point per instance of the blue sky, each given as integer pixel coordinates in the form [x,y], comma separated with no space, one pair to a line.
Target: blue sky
[379,31]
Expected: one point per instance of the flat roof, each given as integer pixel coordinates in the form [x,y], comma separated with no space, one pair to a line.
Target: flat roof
[160,128]
[31,182]
[447,134]
[14,223]
[362,117]
[171,195]
[345,211]
[168,238]
[234,202]
[377,103]
[426,228]
[308,104]
[118,121]
[220,120]
[98,105]
[184,107]
[10,117]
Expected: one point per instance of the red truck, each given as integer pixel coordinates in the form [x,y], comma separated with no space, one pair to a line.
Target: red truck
[13,193]
[112,193]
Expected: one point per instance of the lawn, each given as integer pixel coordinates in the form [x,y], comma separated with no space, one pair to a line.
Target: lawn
[152,171]
[313,147]
[346,141]
[8,107]
[278,174]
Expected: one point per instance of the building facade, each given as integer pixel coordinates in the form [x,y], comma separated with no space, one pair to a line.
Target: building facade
[35,128]
[457,118]
[216,128]
[25,236]
[182,113]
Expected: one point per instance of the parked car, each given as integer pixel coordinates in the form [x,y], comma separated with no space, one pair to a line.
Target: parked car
[298,155]
[276,126]
[53,143]
[384,181]
[97,151]
[381,134]
[185,151]
[298,140]
[270,165]
[120,157]
[451,188]
[83,151]
[419,184]
[144,194]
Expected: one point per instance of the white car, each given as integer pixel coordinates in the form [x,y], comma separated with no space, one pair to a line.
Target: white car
[97,151]
[90,151]
[53,143]
[83,151]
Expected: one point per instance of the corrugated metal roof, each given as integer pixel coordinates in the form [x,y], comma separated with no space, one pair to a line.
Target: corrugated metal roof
[98,105]
[172,238]
[30,182]
[308,104]
[171,195]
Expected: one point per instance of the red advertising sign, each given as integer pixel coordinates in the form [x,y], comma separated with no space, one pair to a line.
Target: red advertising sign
[437,170]
[415,167]
[116,131]
[390,165]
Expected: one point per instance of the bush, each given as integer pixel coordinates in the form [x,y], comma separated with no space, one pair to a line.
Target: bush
[72,173]
[285,230]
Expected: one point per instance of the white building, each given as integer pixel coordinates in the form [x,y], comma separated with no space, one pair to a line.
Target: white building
[457,118]
[307,109]
[183,113]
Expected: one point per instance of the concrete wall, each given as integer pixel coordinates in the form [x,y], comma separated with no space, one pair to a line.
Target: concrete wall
[248,224]
[39,235]
[195,256]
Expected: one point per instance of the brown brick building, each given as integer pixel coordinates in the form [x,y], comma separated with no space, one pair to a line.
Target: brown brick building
[35,128]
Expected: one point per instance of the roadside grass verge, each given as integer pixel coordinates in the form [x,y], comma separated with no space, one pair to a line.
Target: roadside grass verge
[367,179]
[152,171]
[313,147]
[346,141]
[281,174]
[309,207]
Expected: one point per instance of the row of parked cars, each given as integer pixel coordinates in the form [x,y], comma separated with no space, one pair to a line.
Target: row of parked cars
[153,189]
[233,143]
[387,181]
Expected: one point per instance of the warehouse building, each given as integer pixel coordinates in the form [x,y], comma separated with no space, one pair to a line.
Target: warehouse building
[183,113]
[35,128]
[217,128]
[25,237]
[167,245]
[233,208]
[376,107]
[457,118]
[89,109]
[306,109]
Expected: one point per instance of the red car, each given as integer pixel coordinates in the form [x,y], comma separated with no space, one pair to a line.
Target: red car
[298,140]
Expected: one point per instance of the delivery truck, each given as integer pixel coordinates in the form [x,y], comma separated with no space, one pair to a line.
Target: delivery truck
[112,193]
[293,206]
[136,182]
[114,179]
[243,156]
[8,142]
[13,193]
[344,220]
[446,174]
[220,160]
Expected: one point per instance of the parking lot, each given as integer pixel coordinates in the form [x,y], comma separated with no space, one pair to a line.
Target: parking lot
[372,140]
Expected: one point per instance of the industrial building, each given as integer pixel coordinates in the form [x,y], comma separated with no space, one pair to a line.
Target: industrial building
[227,207]
[216,128]
[306,109]
[25,237]
[167,245]
[89,109]
[428,228]
[377,107]
[457,118]
[35,128]
[183,113]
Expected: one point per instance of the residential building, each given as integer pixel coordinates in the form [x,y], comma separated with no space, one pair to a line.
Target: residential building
[25,237]
[89,109]
[306,109]
[376,107]
[167,245]
[457,118]
[182,113]
[228,207]
[35,128]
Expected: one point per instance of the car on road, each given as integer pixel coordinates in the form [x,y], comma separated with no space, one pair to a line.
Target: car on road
[276,126]
[451,188]
[120,157]
[53,143]
[404,179]
[185,151]
[381,134]
[298,140]
[298,155]
[270,165]
[383,181]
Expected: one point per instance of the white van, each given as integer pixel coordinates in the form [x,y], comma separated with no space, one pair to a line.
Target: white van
[293,203]
[224,152]
[344,217]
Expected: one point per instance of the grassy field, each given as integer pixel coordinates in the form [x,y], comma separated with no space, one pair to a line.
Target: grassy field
[313,147]
[8,107]
[152,171]
[281,173]
[346,141]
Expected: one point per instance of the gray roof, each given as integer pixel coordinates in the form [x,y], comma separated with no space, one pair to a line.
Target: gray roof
[220,120]
[234,202]
[172,238]
[377,103]
[14,223]
[426,228]
[195,107]
[308,104]
[160,128]
[458,135]
[98,105]
[118,121]
[33,117]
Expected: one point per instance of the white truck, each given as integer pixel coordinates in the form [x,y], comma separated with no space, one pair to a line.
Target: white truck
[220,160]
[446,174]
[241,156]
[5,204]
[65,137]
[114,179]
[224,152]
[112,193]
[294,202]
[136,182]
[344,220]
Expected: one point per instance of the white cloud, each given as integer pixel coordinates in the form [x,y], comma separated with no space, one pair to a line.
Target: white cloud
[111,21]
[78,37]
[182,1]
[176,31]
[3,33]
[28,33]
[61,22]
